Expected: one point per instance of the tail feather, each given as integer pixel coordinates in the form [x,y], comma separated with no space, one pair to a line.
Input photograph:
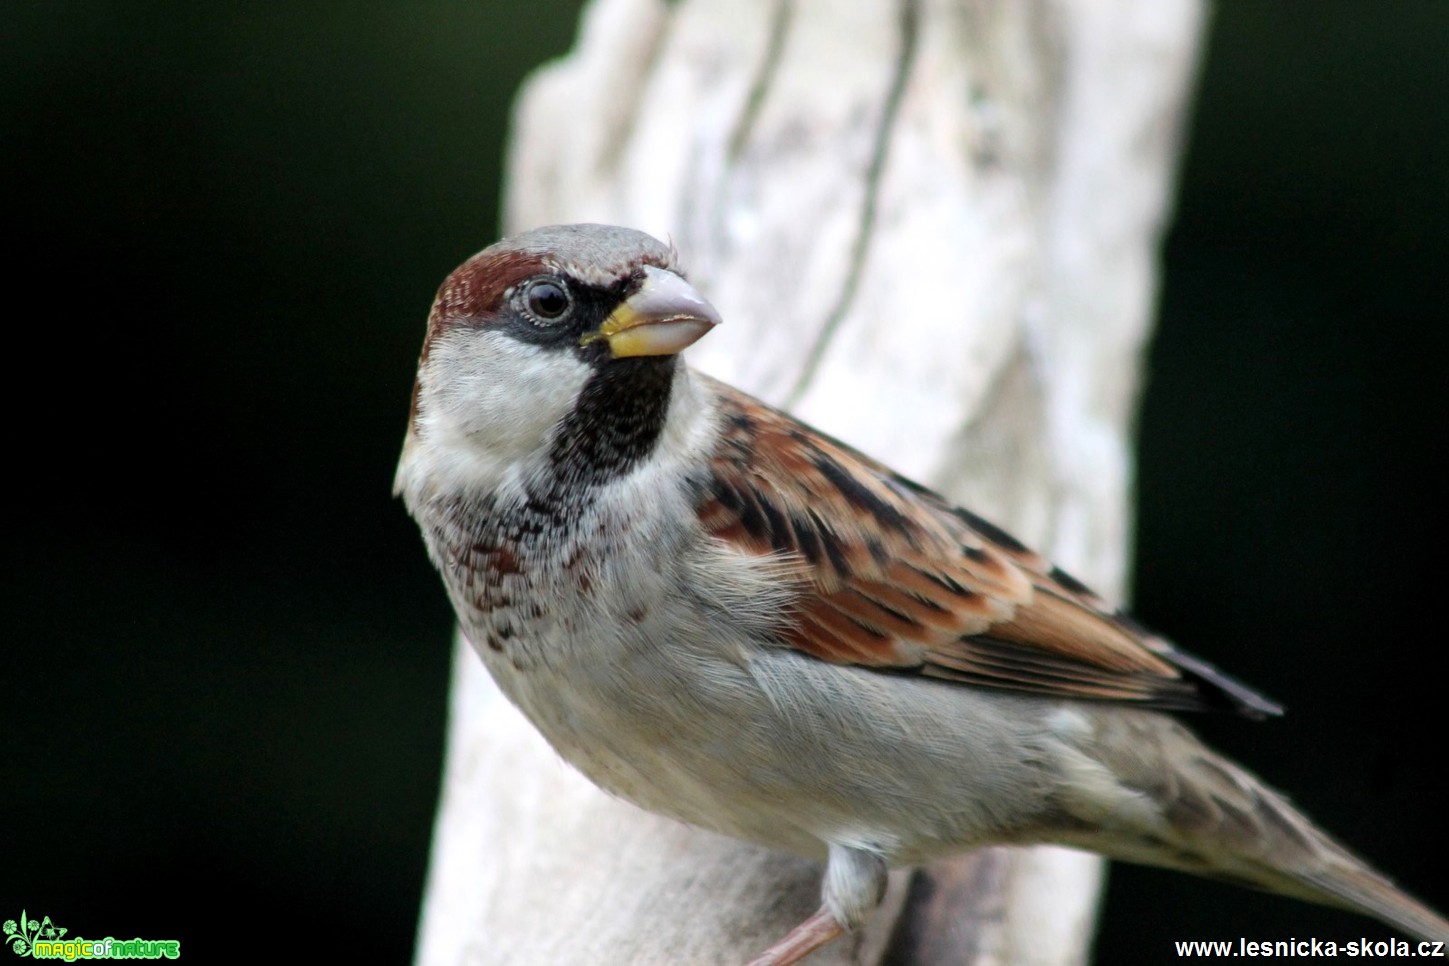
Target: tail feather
[1280,849]
[1215,819]
[1356,886]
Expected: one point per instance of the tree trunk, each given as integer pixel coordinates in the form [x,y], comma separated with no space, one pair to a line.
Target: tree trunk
[931,227]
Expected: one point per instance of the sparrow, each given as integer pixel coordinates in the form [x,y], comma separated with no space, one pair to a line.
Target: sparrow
[727,617]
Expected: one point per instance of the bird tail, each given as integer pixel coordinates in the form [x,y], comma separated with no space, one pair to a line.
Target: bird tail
[1273,846]
[1354,885]
[1213,818]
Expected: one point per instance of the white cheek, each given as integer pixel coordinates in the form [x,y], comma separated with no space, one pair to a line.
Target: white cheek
[489,401]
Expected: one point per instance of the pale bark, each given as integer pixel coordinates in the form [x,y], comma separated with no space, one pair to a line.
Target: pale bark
[932,229]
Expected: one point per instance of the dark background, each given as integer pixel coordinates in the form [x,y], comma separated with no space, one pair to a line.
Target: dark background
[225,668]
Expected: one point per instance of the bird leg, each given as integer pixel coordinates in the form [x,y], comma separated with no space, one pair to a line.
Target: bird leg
[819,930]
[855,883]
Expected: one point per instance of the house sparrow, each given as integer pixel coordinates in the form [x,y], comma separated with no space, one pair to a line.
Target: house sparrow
[727,617]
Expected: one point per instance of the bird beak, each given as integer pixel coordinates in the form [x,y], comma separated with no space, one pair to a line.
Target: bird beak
[664,316]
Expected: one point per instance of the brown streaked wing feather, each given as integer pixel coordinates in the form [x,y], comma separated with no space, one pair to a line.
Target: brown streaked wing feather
[896,578]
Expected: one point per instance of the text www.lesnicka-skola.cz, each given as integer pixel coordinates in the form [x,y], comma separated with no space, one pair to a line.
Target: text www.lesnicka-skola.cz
[1243,947]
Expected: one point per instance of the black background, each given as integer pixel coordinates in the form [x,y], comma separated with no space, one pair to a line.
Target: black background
[225,669]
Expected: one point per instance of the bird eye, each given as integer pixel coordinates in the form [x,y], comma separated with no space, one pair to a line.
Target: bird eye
[546,300]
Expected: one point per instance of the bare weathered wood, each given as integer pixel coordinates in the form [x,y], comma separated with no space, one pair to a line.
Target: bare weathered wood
[931,226]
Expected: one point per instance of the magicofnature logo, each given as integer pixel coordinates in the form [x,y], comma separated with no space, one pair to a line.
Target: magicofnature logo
[43,939]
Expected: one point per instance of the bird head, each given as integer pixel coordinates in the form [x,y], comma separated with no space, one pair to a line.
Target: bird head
[566,326]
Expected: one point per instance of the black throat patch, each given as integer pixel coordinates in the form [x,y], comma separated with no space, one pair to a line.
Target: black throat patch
[615,423]
[482,544]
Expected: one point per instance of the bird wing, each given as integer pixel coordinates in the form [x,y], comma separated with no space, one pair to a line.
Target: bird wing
[894,577]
